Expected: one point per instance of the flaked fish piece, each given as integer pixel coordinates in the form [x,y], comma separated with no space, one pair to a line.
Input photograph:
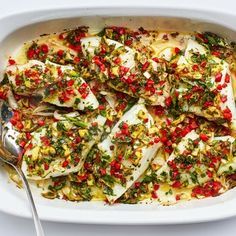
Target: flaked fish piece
[60,148]
[127,151]
[58,84]
[197,161]
[204,93]
[119,66]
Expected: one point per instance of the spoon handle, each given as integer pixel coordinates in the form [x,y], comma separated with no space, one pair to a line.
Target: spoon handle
[37,223]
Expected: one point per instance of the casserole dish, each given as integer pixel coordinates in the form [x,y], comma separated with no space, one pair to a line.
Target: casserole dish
[41,22]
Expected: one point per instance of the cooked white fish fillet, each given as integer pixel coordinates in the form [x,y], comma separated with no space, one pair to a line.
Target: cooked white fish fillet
[90,44]
[197,174]
[60,161]
[128,67]
[58,84]
[28,78]
[221,67]
[147,151]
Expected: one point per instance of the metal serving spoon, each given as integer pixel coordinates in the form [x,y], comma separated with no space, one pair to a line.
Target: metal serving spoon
[9,151]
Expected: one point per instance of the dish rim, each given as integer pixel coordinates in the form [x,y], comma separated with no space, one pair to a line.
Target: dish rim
[112,216]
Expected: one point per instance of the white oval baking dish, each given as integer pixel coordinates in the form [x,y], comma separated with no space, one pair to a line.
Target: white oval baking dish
[18,28]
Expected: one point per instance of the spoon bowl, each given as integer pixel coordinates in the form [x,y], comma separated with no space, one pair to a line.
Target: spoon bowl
[9,152]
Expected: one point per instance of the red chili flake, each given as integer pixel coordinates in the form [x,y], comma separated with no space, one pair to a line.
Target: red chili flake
[65,164]
[216,53]
[150,83]
[60,53]
[18,82]
[174,65]
[11,62]
[163,139]
[76,48]
[87,165]
[119,157]
[46,166]
[137,184]
[224,85]
[210,188]
[156,59]
[101,107]
[44,48]
[203,137]
[177,50]
[41,122]
[70,82]
[227,114]
[175,174]
[154,195]
[64,97]
[208,104]
[94,124]
[193,124]
[117,60]
[19,125]
[45,140]
[125,132]
[13,121]
[128,42]
[168,121]
[203,64]
[168,101]
[77,139]
[172,164]
[83,177]
[29,146]
[117,166]
[109,122]
[61,36]
[22,143]
[209,174]
[176,184]
[121,106]
[31,53]
[223,99]
[97,60]
[103,171]
[201,36]
[83,90]
[76,60]
[156,187]
[159,110]
[145,65]
[151,142]
[123,70]
[28,135]
[133,88]
[125,126]
[177,197]
[219,87]
[195,67]
[218,77]
[227,78]
[3,95]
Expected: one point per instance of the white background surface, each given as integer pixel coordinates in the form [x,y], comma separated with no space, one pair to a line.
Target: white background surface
[13,226]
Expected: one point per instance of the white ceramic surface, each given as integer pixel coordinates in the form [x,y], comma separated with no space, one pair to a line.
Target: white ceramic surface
[17,28]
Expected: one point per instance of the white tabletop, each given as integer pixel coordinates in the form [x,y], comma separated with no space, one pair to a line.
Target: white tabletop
[13,226]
